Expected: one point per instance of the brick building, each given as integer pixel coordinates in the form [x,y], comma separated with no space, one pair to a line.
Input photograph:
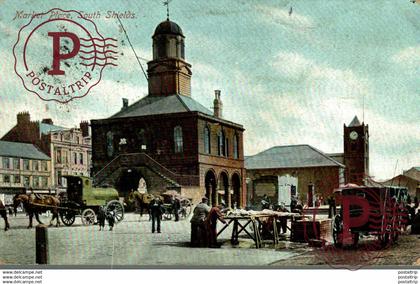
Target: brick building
[168,139]
[295,170]
[69,148]
[22,167]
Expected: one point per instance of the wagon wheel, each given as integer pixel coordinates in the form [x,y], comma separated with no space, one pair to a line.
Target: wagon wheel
[338,231]
[185,211]
[88,217]
[116,207]
[67,217]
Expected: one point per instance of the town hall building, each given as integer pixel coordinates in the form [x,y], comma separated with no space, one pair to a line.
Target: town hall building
[167,139]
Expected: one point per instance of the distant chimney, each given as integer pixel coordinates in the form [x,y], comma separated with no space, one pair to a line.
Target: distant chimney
[217,104]
[48,121]
[84,127]
[23,117]
[125,103]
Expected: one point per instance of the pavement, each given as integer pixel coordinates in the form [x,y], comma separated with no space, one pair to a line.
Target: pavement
[130,243]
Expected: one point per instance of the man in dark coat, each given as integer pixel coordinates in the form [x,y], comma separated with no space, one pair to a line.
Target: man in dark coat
[198,228]
[3,214]
[156,213]
[176,205]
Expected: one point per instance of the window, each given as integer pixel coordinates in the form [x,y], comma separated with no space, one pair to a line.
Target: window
[16,163]
[75,158]
[44,182]
[110,144]
[16,179]
[59,178]
[35,182]
[178,139]
[44,166]
[161,45]
[26,165]
[26,180]
[6,163]
[207,146]
[235,146]
[64,157]
[35,165]
[81,158]
[58,156]
[6,179]
[221,143]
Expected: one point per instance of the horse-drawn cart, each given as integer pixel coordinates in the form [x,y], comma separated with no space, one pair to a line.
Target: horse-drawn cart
[366,210]
[84,200]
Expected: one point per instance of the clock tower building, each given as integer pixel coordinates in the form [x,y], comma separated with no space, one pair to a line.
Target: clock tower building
[356,152]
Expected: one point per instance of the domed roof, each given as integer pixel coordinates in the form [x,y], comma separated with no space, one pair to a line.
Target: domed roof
[168,27]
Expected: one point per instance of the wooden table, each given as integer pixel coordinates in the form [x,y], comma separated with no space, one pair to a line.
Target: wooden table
[255,221]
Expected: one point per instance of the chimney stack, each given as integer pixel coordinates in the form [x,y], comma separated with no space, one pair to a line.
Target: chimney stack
[84,127]
[23,117]
[217,104]
[125,103]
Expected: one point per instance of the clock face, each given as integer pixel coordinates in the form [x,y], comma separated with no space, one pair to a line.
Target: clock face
[353,135]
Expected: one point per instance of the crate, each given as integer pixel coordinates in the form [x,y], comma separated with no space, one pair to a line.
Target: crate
[306,230]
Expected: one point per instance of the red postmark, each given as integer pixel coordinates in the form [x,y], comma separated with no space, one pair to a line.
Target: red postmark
[60,55]
[370,220]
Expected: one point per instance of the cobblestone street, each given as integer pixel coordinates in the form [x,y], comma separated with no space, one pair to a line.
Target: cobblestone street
[131,243]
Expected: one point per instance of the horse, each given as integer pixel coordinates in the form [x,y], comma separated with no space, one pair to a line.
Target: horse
[34,205]
[3,214]
[141,201]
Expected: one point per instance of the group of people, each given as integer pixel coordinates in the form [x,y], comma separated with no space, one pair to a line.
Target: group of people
[204,224]
[104,215]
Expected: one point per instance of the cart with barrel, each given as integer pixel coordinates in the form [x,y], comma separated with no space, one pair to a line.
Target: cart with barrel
[84,200]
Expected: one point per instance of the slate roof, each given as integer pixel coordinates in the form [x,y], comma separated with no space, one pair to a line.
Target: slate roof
[292,156]
[21,150]
[45,128]
[355,122]
[152,105]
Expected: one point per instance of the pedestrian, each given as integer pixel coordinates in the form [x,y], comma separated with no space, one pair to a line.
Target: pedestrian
[176,205]
[211,220]
[198,229]
[265,202]
[293,203]
[110,217]
[331,207]
[156,213]
[101,216]
[3,214]
[282,220]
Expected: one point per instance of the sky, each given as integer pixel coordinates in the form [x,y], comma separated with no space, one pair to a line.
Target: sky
[288,78]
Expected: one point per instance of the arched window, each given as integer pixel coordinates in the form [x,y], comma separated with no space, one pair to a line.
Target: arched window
[110,144]
[178,139]
[207,146]
[161,46]
[221,143]
[235,146]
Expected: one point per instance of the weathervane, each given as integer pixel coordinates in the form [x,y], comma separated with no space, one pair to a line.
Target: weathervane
[166,3]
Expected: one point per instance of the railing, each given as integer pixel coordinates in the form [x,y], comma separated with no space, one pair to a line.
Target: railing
[134,159]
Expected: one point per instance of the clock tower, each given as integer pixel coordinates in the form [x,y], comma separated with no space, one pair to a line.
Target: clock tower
[356,151]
